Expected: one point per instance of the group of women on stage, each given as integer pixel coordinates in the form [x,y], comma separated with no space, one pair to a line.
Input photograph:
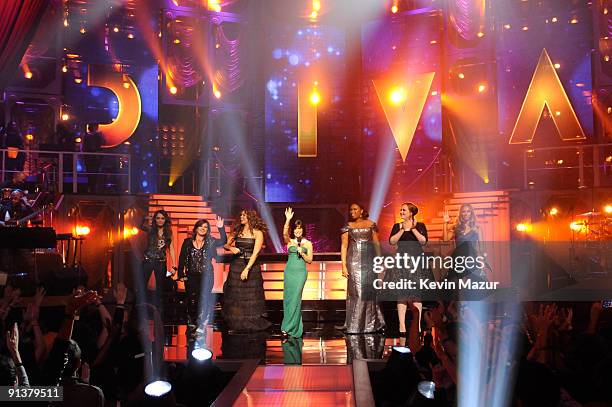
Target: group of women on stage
[243,307]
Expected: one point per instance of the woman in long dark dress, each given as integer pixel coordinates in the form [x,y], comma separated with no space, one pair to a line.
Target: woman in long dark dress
[159,246]
[243,293]
[359,241]
[408,236]
[196,269]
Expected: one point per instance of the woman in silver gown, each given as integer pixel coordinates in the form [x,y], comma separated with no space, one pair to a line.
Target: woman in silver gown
[359,244]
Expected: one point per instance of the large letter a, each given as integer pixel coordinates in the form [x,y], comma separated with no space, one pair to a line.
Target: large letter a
[546,90]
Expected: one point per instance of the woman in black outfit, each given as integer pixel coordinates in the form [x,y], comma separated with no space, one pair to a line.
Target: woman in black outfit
[244,301]
[196,269]
[408,236]
[158,246]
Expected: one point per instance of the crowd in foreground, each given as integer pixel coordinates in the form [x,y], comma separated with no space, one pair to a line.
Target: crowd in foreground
[537,354]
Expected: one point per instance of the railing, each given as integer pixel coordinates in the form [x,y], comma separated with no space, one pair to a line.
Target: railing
[581,166]
[65,170]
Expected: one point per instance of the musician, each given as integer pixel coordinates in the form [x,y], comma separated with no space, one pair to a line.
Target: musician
[17,208]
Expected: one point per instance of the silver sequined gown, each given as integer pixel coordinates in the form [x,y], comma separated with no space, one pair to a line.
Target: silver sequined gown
[362,314]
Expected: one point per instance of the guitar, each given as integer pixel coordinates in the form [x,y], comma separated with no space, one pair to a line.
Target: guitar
[25,219]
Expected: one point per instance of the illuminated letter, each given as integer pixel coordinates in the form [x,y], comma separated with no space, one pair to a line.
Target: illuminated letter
[403,104]
[546,90]
[128,98]
[308,100]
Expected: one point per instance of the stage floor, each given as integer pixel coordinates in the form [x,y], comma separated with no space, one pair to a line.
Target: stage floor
[321,345]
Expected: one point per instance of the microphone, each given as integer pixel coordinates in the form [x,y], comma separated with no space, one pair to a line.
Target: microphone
[299,246]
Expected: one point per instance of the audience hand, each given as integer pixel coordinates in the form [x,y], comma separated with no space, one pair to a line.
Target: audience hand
[120,292]
[79,301]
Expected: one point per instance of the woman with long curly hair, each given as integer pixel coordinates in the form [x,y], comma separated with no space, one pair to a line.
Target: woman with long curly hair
[467,235]
[196,269]
[159,245]
[243,293]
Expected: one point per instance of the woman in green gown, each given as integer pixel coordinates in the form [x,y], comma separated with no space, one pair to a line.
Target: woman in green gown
[300,253]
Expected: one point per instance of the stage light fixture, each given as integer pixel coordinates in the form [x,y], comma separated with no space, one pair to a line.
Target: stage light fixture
[64,69]
[314,15]
[557,65]
[577,226]
[486,180]
[553,211]
[401,349]
[394,9]
[78,81]
[82,230]
[461,75]
[214,5]
[28,75]
[554,19]
[525,28]
[130,36]
[82,30]
[173,90]
[29,137]
[482,87]
[427,389]
[201,354]
[78,140]
[480,34]
[315,97]
[523,227]
[397,95]
[316,5]
[507,26]
[608,209]
[65,22]
[158,388]
[65,116]
[116,29]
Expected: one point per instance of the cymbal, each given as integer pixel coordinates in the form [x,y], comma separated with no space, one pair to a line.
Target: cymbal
[589,214]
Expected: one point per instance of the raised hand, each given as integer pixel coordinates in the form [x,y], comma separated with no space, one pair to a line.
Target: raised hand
[39,296]
[446,216]
[79,301]
[12,340]
[120,292]
[219,222]
[288,214]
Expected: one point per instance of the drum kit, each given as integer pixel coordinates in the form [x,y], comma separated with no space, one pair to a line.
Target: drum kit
[597,226]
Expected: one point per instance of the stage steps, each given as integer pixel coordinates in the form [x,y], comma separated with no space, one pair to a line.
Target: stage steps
[489,207]
[185,210]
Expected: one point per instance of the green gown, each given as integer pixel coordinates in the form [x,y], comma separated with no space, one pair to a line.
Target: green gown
[295,278]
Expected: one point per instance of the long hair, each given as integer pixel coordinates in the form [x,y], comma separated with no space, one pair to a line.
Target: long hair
[194,232]
[461,224]
[167,227]
[253,220]
[364,215]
